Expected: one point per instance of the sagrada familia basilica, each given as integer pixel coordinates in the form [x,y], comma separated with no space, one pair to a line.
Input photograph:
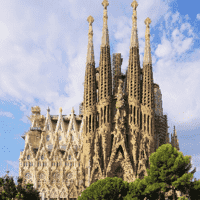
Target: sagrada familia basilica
[120,123]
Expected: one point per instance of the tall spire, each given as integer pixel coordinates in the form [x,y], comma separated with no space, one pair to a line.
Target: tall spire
[134,35]
[105,37]
[90,53]
[147,50]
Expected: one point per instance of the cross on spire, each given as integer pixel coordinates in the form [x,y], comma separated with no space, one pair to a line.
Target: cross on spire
[105,4]
[134,4]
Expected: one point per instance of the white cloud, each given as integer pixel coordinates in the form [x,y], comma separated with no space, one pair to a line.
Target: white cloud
[198,16]
[165,49]
[7,114]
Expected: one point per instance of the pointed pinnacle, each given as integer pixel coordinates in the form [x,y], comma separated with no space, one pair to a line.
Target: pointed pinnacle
[105,4]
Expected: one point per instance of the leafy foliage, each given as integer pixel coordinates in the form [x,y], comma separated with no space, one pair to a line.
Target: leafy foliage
[9,190]
[108,188]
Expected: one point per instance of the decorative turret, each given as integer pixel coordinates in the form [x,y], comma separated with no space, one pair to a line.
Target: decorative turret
[105,91]
[105,76]
[90,98]
[148,86]
[133,79]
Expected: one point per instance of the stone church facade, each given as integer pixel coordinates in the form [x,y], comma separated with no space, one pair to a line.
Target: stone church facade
[120,123]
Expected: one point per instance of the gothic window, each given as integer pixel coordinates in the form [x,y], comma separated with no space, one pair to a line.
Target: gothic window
[47,138]
[28,157]
[69,157]
[42,157]
[60,137]
[72,138]
[72,126]
[27,175]
[59,127]
[47,126]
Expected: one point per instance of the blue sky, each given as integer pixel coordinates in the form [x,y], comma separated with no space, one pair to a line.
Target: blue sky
[43,46]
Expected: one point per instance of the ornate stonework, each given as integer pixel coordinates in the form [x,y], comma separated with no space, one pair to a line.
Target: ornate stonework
[117,130]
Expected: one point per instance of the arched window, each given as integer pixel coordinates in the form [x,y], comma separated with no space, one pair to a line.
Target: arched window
[28,157]
[69,157]
[60,138]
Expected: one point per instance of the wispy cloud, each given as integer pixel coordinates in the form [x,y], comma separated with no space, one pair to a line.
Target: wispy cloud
[7,114]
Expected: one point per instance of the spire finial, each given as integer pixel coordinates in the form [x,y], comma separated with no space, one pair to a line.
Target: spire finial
[105,4]
[60,110]
[105,38]
[147,50]
[134,4]
[147,22]
[90,53]
[90,19]
[134,36]
[48,110]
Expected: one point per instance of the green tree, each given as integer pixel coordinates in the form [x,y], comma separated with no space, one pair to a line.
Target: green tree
[9,190]
[108,188]
[170,170]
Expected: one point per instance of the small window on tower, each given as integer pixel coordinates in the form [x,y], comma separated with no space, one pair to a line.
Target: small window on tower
[69,157]
[59,127]
[47,126]
[72,127]
[47,138]
[28,157]
[72,138]
[60,137]
[42,157]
